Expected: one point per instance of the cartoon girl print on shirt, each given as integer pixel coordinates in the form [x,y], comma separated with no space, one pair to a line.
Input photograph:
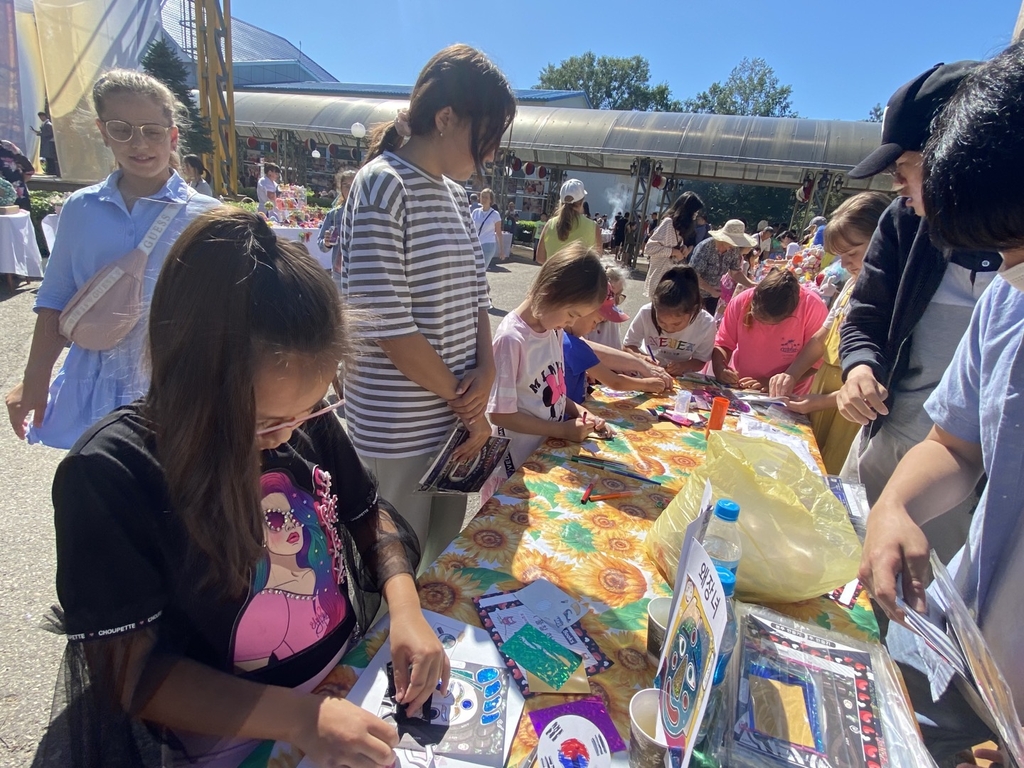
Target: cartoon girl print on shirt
[295,599]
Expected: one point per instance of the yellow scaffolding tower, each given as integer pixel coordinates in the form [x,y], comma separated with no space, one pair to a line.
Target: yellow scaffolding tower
[217,90]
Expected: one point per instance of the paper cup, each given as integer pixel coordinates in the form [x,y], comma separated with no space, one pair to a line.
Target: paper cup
[644,749]
[657,625]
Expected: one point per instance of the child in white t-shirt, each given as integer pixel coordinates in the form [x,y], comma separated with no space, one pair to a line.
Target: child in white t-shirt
[674,329]
[528,400]
[266,189]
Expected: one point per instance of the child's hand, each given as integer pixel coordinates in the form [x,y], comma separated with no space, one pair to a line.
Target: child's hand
[729,377]
[803,404]
[781,385]
[678,367]
[652,385]
[576,430]
[749,383]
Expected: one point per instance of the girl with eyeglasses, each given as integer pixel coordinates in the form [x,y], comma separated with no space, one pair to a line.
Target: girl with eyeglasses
[99,225]
[674,330]
[220,546]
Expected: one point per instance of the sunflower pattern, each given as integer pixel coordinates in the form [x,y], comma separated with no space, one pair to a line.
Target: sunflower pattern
[536,527]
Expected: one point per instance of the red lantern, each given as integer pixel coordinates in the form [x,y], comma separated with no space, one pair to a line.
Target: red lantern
[542,172]
[311,143]
[528,170]
[251,142]
[273,146]
[656,181]
[332,150]
[516,164]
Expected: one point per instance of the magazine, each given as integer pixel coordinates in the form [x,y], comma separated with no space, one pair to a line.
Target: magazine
[961,645]
[444,475]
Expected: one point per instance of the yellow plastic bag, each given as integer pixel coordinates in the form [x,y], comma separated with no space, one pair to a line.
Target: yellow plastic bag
[798,542]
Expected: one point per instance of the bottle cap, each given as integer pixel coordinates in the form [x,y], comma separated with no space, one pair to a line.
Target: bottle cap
[728,580]
[727,510]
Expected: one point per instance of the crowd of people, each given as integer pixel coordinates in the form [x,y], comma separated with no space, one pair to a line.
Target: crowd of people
[222,540]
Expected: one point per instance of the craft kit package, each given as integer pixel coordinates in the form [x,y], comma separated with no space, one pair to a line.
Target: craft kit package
[796,537]
[799,695]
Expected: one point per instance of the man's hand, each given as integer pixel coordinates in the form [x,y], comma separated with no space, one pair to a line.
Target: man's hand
[862,399]
[895,545]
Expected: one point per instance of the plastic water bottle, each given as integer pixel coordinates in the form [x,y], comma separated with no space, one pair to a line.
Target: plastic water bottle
[729,638]
[722,540]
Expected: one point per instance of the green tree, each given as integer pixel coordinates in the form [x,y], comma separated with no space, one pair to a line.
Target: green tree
[876,114]
[610,82]
[752,88]
[162,63]
[743,201]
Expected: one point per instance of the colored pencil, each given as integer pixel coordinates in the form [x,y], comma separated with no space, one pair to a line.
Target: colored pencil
[607,496]
[586,493]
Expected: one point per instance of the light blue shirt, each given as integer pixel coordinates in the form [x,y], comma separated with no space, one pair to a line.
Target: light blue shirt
[981,400]
[95,228]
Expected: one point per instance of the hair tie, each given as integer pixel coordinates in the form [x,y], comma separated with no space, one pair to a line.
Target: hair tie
[402,124]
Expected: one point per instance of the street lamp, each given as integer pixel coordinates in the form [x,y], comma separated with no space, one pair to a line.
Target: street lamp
[315,154]
[358,132]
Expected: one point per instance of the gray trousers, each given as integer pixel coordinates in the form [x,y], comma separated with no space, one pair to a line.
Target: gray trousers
[872,463]
[437,520]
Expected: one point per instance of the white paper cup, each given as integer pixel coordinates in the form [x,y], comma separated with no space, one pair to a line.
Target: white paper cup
[645,751]
[657,625]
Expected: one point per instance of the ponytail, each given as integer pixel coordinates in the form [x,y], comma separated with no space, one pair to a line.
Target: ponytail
[567,218]
[384,137]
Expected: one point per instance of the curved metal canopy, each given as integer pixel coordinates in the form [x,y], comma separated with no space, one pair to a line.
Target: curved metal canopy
[753,150]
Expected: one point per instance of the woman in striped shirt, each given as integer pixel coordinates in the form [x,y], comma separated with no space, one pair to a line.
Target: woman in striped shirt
[412,258]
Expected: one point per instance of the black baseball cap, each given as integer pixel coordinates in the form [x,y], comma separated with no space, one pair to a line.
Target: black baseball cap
[907,121]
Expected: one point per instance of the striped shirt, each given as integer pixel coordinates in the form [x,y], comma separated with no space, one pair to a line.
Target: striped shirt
[411,256]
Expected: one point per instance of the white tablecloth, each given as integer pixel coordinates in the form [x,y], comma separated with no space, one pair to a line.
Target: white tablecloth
[606,236]
[307,237]
[49,227]
[19,253]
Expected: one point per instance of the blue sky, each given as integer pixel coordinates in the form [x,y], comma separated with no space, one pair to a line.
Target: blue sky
[840,56]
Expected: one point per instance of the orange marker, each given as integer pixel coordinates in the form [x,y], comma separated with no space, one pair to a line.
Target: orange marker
[619,495]
[719,407]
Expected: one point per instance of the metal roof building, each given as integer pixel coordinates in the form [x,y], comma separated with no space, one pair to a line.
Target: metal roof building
[756,150]
[403,92]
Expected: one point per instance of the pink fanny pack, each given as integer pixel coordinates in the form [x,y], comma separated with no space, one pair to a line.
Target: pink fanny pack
[105,310]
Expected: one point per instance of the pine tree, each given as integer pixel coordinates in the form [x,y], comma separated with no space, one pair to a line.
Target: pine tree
[161,62]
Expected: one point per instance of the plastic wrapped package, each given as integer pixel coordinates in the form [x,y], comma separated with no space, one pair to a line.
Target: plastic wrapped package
[796,536]
[800,695]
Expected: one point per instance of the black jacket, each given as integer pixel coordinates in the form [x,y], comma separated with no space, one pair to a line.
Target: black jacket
[902,271]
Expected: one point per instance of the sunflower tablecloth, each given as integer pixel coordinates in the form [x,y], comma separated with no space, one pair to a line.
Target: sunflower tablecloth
[536,527]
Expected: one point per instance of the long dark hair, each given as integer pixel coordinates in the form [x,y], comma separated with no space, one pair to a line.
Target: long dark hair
[464,79]
[683,211]
[230,299]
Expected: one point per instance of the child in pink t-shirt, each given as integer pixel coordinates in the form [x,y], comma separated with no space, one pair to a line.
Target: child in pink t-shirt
[763,330]
[528,400]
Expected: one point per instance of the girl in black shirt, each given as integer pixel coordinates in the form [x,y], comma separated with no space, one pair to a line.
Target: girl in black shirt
[219,544]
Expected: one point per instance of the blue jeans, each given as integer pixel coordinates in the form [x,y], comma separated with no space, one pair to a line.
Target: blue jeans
[490,251]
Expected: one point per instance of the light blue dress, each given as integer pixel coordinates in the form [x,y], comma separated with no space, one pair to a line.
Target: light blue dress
[96,228]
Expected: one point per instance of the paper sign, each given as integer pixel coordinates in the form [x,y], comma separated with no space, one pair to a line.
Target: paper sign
[550,603]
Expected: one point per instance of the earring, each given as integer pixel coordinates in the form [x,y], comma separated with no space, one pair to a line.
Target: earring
[440,134]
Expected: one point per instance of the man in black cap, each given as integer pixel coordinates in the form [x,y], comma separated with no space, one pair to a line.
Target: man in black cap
[910,307]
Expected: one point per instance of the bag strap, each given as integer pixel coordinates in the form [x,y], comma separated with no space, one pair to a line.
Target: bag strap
[484,220]
[167,215]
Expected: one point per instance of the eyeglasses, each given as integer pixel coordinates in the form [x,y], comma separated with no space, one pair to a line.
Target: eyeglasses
[278,519]
[274,427]
[122,132]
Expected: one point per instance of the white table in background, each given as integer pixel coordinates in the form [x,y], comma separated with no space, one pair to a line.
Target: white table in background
[308,237]
[49,227]
[19,252]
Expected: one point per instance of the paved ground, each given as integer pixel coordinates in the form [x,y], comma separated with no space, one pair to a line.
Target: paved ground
[29,656]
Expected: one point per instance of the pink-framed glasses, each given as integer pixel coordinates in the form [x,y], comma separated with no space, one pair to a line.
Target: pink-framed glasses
[300,420]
